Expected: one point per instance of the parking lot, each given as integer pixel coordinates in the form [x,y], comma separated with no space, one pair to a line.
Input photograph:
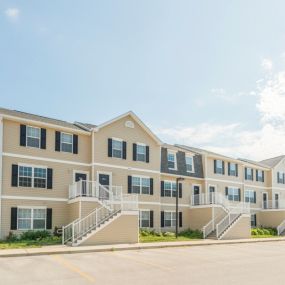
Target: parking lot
[257,263]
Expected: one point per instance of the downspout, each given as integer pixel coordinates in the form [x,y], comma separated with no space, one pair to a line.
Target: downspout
[1,171]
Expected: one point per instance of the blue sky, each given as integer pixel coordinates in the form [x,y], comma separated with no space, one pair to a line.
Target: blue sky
[205,73]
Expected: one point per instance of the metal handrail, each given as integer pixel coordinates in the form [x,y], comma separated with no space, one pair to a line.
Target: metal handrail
[281,228]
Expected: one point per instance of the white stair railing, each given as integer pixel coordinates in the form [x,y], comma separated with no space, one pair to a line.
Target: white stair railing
[281,228]
[225,223]
[211,226]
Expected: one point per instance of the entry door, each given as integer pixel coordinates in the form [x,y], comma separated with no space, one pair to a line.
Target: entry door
[196,195]
[82,177]
[212,194]
[264,200]
[104,179]
[276,200]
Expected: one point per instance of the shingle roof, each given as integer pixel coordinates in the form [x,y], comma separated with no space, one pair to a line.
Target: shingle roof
[38,118]
[273,161]
[254,162]
[86,125]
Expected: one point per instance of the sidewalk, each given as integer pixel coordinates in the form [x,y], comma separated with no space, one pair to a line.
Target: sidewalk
[62,249]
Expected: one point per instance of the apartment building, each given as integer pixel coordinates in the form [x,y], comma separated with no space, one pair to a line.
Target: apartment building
[102,183]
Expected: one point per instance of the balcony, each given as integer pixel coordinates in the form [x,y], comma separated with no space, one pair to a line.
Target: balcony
[273,205]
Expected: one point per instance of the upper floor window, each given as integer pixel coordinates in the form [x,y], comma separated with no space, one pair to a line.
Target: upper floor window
[281,177]
[233,194]
[259,175]
[140,185]
[171,160]
[169,189]
[32,177]
[66,142]
[219,166]
[232,169]
[189,163]
[117,148]
[32,136]
[141,152]
[248,173]
[250,196]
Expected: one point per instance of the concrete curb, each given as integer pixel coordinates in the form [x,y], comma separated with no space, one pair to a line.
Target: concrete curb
[122,247]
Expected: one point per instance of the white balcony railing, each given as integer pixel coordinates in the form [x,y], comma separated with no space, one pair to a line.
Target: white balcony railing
[273,204]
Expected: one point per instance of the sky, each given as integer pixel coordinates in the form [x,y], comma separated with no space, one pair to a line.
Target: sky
[209,74]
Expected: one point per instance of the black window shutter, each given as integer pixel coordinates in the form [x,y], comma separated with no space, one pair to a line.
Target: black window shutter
[227,191]
[254,197]
[229,168]
[283,178]
[147,154]
[49,178]
[57,141]
[162,219]
[43,138]
[49,219]
[151,186]
[239,196]
[22,135]
[151,219]
[255,220]
[223,163]
[245,173]
[252,175]
[278,177]
[124,150]
[162,188]
[14,213]
[180,220]
[236,170]
[129,184]
[110,142]
[134,152]
[262,175]
[180,190]
[75,144]
[256,174]
[215,166]
[14,179]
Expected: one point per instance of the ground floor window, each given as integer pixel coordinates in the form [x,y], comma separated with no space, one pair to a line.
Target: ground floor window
[31,219]
[144,219]
[169,219]
[253,220]
[250,196]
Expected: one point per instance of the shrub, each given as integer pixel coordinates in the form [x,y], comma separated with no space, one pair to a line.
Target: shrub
[12,237]
[35,235]
[191,234]
[254,232]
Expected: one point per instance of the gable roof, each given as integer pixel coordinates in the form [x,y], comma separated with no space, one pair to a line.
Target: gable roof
[272,162]
[134,117]
[260,164]
[12,114]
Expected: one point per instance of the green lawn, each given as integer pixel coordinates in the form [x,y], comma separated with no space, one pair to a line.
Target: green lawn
[264,236]
[162,238]
[29,243]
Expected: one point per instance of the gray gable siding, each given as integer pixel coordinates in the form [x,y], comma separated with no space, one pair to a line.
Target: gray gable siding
[181,164]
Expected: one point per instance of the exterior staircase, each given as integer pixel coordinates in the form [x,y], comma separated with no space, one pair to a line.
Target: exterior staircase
[112,206]
[281,229]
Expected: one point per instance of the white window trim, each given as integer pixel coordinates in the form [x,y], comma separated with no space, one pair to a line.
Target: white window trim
[119,140]
[140,177]
[33,176]
[193,169]
[175,159]
[251,172]
[32,208]
[259,180]
[172,182]
[172,220]
[66,142]
[144,145]
[220,168]
[40,137]
[244,196]
[140,219]
[235,188]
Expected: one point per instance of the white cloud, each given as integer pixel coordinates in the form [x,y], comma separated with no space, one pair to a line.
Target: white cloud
[267,64]
[233,139]
[12,13]
[232,98]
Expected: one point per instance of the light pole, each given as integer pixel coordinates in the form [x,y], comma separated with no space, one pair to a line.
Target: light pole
[177,193]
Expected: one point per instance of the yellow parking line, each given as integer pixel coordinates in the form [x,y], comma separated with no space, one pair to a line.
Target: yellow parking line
[144,262]
[73,268]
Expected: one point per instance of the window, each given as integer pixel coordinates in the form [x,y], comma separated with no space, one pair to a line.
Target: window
[248,174]
[232,169]
[141,152]
[169,189]
[66,142]
[259,175]
[144,218]
[117,148]
[140,185]
[31,219]
[171,160]
[189,164]
[250,196]
[33,137]
[32,177]
[280,177]
[219,167]
[253,220]
[169,219]
[233,194]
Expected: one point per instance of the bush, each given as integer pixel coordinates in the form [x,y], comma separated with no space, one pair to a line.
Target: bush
[34,235]
[12,237]
[191,234]
[264,231]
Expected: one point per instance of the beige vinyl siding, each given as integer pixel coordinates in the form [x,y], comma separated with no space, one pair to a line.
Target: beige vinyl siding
[11,144]
[271,218]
